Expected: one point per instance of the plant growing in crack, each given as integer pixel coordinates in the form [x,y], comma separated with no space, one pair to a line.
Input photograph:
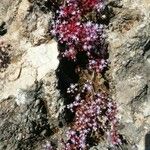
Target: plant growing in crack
[81,38]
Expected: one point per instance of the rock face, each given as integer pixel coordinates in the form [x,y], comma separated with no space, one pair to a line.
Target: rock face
[31,106]
[129,39]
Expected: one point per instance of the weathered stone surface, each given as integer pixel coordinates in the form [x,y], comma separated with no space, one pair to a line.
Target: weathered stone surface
[129,35]
[31,107]
[30,104]
[21,126]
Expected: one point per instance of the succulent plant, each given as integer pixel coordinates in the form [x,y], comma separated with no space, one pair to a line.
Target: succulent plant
[94,110]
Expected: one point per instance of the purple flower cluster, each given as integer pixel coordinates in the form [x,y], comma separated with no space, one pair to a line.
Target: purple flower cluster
[79,36]
[76,141]
[94,110]
[97,65]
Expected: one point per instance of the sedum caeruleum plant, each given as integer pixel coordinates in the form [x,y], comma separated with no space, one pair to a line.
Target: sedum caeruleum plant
[94,110]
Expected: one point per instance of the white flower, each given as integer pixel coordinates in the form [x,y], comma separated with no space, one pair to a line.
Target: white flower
[89,23]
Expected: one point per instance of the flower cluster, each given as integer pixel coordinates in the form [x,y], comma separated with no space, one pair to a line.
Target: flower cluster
[86,6]
[76,140]
[72,89]
[97,64]
[78,36]
[94,111]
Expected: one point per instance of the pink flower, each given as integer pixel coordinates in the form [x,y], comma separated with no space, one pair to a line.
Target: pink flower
[93,109]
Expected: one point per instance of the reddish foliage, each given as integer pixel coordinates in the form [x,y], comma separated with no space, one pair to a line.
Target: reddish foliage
[94,111]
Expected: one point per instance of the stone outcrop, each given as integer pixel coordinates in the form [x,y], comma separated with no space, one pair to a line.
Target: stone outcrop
[31,105]
[129,41]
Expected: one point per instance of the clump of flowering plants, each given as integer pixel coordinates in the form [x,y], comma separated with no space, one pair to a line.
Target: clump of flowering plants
[94,111]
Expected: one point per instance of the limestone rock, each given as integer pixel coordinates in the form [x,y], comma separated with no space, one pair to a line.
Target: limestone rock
[32,110]
[129,34]
[30,103]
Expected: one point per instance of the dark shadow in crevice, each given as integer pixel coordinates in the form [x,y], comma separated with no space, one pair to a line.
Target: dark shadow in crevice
[105,16]
[146,47]
[49,6]
[46,6]
[66,75]
[3,29]
[147,141]
[82,60]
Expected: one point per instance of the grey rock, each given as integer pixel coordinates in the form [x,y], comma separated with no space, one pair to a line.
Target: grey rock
[32,110]
[129,34]
[22,124]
